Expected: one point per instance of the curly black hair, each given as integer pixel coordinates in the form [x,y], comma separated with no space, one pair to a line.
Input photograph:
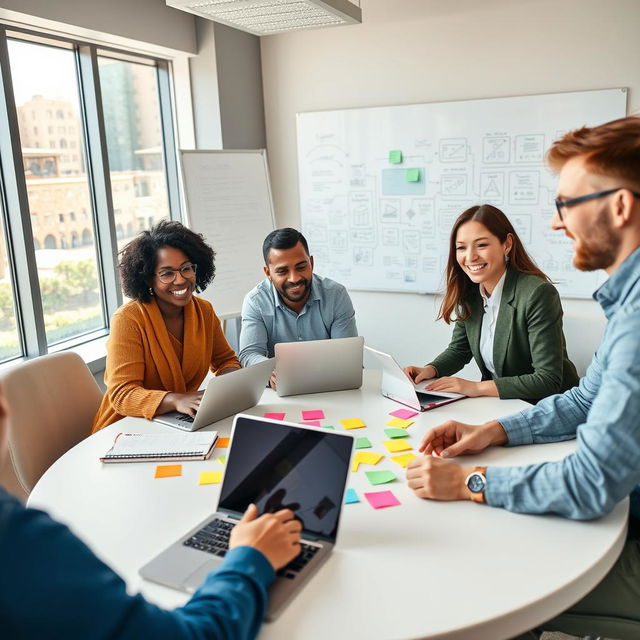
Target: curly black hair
[138,258]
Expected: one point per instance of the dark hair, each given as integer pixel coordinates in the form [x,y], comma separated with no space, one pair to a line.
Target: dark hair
[459,287]
[138,258]
[611,149]
[285,238]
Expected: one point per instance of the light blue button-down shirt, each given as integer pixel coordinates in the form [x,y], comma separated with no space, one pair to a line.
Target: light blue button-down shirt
[602,412]
[266,320]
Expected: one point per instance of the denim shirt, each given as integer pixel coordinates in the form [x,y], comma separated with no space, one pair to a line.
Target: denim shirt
[266,320]
[602,412]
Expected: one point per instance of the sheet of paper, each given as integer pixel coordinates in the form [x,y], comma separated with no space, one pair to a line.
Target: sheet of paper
[381,499]
[352,423]
[316,414]
[405,414]
[275,416]
[210,477]
[168,470]
[395,432]
[395,157]
[395,446]
[222,443]
[363,443]
[399,422]
[404,459]
[351,497]
[365,457]
[311,423]
[380,477]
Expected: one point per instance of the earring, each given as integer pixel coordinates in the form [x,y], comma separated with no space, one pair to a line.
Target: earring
[506,258]
[150,291]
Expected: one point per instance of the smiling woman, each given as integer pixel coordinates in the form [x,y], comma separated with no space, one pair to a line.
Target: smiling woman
[163,342]
[507,314]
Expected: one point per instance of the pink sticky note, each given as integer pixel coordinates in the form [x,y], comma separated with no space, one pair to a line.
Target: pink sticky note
[381,499]
[311,423]
[405,414]
[275,416]
[313,415]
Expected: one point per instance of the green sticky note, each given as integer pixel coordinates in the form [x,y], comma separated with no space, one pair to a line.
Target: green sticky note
[413,175]
[395,432]
[395,157]
[365,443]
[328,426]
[380,477]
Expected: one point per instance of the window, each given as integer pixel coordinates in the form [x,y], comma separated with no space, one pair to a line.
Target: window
[69,286]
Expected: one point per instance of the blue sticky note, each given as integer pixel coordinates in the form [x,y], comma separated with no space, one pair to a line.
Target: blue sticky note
[351,496]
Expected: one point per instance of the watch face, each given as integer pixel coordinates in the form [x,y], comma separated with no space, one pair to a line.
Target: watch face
[476,483]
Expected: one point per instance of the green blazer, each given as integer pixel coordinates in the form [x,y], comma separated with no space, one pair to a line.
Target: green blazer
[529,350]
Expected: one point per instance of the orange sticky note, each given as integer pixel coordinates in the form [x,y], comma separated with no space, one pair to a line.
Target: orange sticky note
[395,446]
[222,443]
[210,477]
[352,423]
[168,470]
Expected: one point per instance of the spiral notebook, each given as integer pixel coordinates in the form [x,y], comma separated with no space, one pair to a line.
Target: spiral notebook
[151,447]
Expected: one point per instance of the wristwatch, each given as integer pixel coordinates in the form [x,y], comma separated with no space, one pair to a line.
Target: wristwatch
[476,483]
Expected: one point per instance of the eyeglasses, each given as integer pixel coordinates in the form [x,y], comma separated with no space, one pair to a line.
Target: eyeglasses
[590,196]
[187,271]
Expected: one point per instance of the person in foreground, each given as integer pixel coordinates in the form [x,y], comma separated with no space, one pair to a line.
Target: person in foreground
[292,303]
[164,341]
[508,316]
[53,586]
[598,207]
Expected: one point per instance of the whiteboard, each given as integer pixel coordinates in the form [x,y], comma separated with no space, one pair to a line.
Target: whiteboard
[228,197]
[371,227]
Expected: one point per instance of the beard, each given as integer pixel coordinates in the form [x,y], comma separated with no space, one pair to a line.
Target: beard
[598,248]
[306,287]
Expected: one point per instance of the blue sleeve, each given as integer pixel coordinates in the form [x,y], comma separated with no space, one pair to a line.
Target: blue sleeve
[52,586]
[344,320]
[253,347]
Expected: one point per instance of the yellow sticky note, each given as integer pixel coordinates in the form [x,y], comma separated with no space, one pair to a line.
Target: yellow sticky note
[365,457]
[353,423]
[210,477]
[222,443]
[395,446]
[399,422]
[168,470]
[404,459]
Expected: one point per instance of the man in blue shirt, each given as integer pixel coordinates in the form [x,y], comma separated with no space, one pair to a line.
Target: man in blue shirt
[52,585]
[598,207]
[292,303]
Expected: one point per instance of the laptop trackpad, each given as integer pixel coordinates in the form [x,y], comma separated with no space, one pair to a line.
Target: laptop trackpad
[193,581]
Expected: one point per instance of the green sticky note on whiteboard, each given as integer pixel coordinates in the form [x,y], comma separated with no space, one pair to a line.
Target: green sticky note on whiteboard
[395,157]
[413,175]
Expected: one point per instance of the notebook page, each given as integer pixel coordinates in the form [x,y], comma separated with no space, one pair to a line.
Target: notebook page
[137,444]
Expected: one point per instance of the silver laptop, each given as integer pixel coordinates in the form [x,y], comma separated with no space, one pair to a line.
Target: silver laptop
[273,464]
[316,366]
[397,386]
[224,396]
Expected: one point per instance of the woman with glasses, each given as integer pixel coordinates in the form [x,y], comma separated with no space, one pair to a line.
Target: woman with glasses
[165,339]
[507,314]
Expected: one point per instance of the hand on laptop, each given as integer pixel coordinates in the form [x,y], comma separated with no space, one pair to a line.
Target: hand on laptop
[183,402]
[272,380]
[454,438]
[276,535]
[418,374]
[453,384]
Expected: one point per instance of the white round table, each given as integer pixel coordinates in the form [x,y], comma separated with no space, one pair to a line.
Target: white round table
[419,570]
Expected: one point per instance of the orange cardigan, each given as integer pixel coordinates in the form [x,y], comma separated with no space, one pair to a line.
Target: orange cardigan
[145,362]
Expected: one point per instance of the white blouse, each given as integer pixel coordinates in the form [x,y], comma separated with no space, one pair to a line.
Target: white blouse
[491,306]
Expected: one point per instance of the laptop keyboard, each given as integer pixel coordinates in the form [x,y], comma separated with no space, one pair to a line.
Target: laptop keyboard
[214,538]
[185,418]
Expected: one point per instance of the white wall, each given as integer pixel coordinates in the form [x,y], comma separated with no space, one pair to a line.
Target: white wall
[409,51]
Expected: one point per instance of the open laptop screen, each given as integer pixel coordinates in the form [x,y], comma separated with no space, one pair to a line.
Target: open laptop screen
[277,466]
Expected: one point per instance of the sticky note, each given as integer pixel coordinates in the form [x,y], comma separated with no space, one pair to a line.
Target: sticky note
[395,432]
[405,414]
[313,415]
[311,423]
[222,459]
[168,470]
[328,426]
[275,416]
[395,446]
[399,422]
[363,443]
[350,497]
[210,477]
[365,457]
[413,175]
[381,499]
[404,459]
[352,423]
[380,477]
[395,157]
[222,443]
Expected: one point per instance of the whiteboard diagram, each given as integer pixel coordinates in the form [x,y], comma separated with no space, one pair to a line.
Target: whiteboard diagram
[381,221]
